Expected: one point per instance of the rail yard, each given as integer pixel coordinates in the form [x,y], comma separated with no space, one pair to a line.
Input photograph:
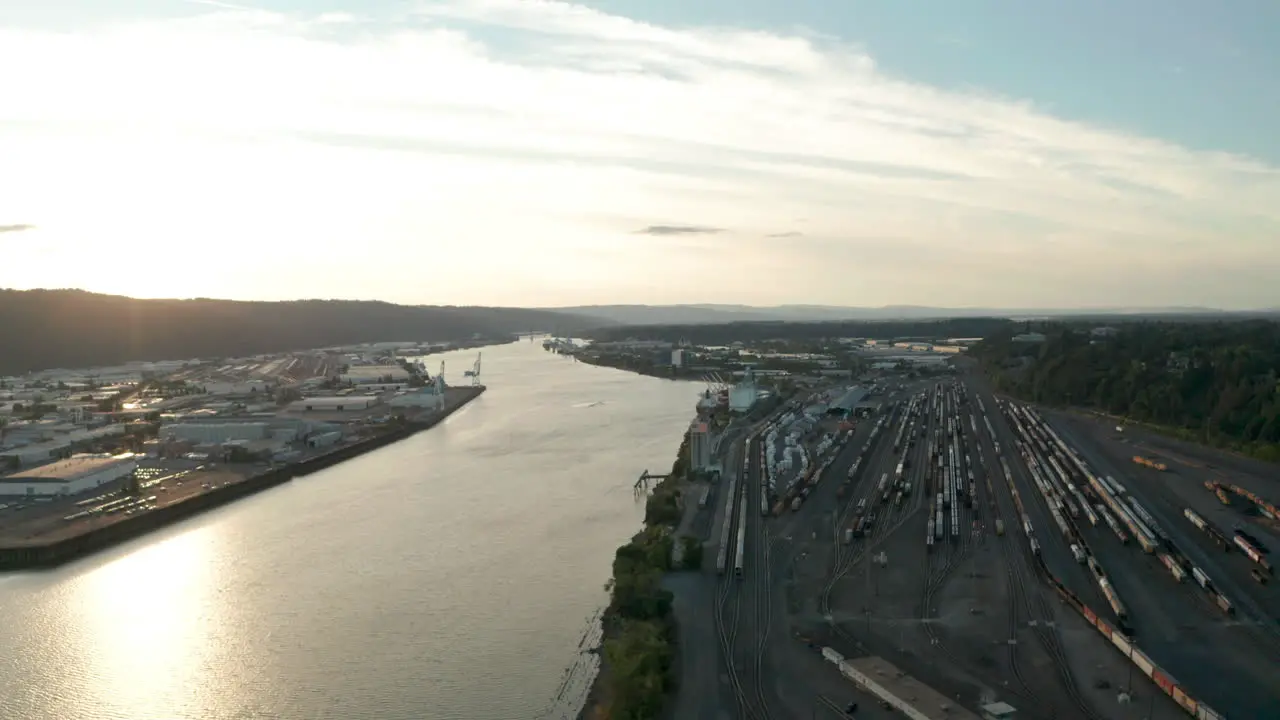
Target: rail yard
[994,553]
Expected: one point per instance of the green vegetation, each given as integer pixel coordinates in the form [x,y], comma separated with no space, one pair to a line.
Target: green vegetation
[1215,383]
[793,356]
[639,626]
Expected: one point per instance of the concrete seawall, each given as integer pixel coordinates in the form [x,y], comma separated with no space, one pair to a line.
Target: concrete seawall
[36,555]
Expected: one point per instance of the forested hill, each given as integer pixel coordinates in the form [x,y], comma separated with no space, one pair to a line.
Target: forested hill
[725,333]
[1216,382]
[70,328]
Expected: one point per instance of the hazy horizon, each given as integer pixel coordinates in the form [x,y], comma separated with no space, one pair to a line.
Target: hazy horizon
[538,154]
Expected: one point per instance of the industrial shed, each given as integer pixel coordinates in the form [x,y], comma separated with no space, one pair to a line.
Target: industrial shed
[900,691]
[339,404]
[210,433]
[848,402]
[68,477]
[374,374]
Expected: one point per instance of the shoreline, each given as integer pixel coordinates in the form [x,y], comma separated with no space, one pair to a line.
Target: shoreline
[654,539]
[52,553]
[635,371]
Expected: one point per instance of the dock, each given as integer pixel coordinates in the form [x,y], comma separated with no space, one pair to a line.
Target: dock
[59,542]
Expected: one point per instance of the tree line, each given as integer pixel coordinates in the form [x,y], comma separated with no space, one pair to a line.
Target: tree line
[639,624]
[755,332]
[1213,382]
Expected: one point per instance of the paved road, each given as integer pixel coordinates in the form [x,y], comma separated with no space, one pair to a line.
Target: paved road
[1165,614]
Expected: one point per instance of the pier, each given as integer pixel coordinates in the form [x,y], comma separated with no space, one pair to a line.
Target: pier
[642,483]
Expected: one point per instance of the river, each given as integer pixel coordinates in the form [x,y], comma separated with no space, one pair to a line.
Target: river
[450,575]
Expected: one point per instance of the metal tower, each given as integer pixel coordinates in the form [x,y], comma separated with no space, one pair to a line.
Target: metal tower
[474,372]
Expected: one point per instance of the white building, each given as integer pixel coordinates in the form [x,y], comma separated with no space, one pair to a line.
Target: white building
[369,374]
[226,387]
[428,398]
[214,433]
[677,358]
[335,404]
[68,477]
[37,453]
[700,442]
[743,396]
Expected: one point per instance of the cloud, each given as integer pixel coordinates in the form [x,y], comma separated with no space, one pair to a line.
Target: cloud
[539,135]
[679,230]
[16,228]
[788,234]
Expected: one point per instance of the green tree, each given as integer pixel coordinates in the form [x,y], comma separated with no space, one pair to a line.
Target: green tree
[1215,382]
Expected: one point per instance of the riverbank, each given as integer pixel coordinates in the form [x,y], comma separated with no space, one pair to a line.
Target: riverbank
[631,364]
[639,635]
[65,543]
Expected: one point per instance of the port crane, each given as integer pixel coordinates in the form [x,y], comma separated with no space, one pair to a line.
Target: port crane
[474,372]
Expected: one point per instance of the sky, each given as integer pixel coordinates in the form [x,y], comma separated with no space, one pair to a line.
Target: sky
[972,153]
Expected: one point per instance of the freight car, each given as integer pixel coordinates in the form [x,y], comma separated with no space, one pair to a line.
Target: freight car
[1175,568]
[1113,599]
[1253,540]
[1252,552]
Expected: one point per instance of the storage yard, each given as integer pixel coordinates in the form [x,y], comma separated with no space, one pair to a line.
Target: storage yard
[995,553]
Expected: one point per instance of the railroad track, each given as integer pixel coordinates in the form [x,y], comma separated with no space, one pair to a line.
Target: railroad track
[935,579]
[763,603]
[845,557]
[891,517]
[880,532]
[1021,565]
[728,611]
[1016,605]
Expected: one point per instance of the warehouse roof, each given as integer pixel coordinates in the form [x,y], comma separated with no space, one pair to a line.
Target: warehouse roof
[68,470]
[926,701]
[850,399]
[376,370]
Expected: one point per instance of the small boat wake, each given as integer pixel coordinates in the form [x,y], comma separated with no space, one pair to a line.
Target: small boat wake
[597,403]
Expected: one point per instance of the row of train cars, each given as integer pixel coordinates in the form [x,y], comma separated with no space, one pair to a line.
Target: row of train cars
[1048,458]
[1100,499]
[794,494]
[893,489]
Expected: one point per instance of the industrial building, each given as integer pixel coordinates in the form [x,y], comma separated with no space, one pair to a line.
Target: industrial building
[37,443]
[68,477]
[335,404]
[897,689]
[213,433]
[677,358]
[849,401]
[371,374]
[35,453]
[427,398]
[743,396]
[700,445]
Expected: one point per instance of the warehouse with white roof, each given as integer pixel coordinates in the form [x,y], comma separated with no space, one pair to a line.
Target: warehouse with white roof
[71,476]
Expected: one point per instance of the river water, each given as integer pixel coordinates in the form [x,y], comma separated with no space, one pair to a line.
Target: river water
[450,575]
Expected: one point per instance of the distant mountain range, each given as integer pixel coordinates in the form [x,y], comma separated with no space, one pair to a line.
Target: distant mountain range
[43,329]
[707,314]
